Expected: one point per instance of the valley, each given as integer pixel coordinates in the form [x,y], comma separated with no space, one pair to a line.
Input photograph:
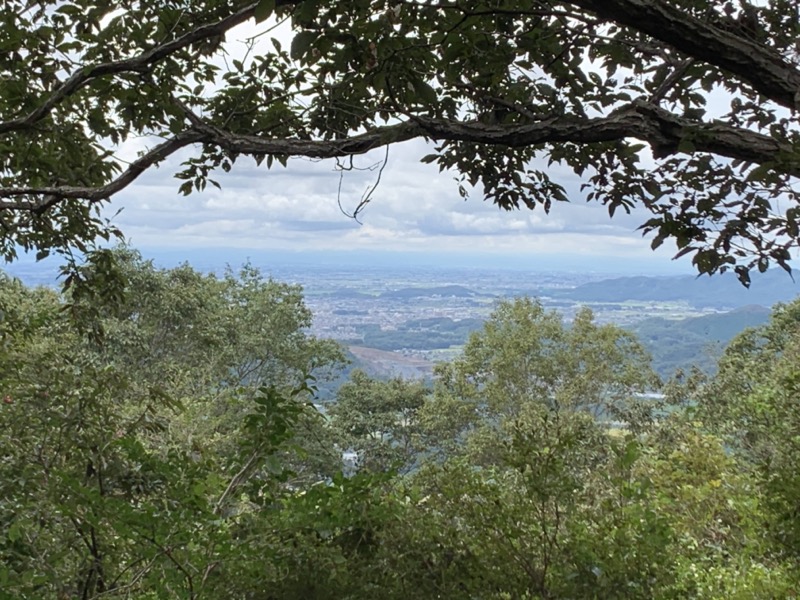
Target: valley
[402,320]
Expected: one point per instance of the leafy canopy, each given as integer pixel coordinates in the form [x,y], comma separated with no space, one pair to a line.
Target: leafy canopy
[619,92]
[526,363]
[157,442]
[131,454]
[753,401]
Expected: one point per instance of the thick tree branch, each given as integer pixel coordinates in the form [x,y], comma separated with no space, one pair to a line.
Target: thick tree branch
[757,64]
[53,195]
[664,131]
[358,144]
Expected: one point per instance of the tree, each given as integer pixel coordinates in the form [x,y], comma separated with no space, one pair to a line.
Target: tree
[207,342]
[534,493]
[378,420]
[138,431]
[527,364]
[619,92]
[529,491]
[752,401]
[148,451]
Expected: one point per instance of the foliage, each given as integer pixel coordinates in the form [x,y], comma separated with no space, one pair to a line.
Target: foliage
[753,400]
[526,355]
[128,457]
[159,441]
[714,510]
[618,92]
[378,420]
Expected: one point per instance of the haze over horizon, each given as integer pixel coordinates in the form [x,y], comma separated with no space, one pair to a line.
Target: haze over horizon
[217,258]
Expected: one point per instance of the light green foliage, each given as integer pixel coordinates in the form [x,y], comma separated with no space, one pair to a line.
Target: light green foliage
[753,401]
[526,355]
[130,444]
[158,442]
[528,490]
[378,420]
[613,91]
[715,511]
[531,495]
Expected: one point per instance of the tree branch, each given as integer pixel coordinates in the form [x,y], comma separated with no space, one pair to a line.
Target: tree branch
[141,63]
[670,81]
[237,480]
[755,63]
[663,130]
[53,195]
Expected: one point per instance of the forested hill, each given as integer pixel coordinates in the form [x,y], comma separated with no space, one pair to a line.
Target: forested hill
[720,291]
[696,341]
[171,431]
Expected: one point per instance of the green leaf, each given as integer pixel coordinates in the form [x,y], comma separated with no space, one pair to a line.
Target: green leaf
[425,93]
[273,465]
[14,532]
[301,44]
[264,9]
[743,274]
[758,173]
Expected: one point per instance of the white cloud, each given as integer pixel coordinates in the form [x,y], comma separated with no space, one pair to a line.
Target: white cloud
[414,208]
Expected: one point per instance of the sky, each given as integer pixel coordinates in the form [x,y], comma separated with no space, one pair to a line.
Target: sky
[415,212]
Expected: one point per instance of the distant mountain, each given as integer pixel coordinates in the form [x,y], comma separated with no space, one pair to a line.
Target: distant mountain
[458,291]
[723,327]
[698,341]
[719,291]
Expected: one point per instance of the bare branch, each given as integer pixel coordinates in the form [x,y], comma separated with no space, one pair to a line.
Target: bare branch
[237,480]
[357,144]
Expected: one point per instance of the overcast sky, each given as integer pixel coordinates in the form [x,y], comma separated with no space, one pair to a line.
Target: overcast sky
[414,209]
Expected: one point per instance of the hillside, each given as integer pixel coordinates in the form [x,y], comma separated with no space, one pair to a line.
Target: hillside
[720,291]
[680,344]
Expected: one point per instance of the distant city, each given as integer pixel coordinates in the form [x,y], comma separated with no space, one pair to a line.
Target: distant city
[401,314]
